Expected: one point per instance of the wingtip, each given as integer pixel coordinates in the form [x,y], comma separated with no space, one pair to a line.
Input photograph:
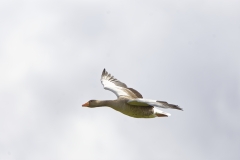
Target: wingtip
[179,108]
[173,106]
[104,71]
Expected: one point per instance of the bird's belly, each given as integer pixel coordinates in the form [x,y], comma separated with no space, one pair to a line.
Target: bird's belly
[137,111]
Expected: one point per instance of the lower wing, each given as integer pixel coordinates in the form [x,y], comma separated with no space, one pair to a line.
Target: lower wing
[147,102]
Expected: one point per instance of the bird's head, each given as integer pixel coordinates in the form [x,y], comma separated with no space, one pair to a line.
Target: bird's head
[91,104]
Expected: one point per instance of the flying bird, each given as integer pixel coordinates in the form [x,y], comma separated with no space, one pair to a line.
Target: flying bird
[129,101]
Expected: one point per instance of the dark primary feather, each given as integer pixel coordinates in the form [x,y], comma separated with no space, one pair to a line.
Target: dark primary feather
[173,106]
[136,93]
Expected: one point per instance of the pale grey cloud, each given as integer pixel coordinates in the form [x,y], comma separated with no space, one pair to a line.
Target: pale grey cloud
[51,57]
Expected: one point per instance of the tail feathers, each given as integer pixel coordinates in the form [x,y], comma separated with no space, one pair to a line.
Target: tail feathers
[159,113]
[167,105]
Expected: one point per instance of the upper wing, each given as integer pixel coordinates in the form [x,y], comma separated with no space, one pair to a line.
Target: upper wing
[117,87]
[146,102]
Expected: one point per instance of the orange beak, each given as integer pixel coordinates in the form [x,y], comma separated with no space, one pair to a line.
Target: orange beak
[86,104]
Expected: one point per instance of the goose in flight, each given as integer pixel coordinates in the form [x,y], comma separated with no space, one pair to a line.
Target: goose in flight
[129,101]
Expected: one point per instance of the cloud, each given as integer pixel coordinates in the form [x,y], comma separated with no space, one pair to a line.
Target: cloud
[52,56]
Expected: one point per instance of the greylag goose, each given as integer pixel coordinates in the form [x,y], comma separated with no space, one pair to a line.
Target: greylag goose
[129,101]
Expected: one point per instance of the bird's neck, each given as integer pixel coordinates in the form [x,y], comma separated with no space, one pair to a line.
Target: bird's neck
[102,103]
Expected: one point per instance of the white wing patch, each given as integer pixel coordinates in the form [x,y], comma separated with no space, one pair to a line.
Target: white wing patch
[161,104]
[118,91]
[143,102]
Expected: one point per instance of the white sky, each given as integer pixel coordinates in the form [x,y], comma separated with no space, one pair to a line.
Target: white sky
[52,54]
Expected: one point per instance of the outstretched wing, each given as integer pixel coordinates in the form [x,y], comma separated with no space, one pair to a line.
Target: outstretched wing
[117,87]
[146,102]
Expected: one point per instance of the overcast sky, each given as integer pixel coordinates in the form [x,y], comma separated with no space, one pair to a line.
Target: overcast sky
[185,52]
